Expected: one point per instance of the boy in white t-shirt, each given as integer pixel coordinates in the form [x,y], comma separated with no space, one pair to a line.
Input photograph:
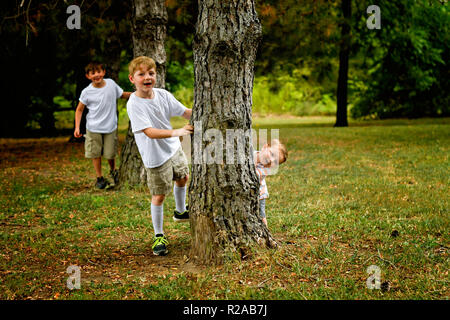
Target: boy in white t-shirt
[100,97]
[150,110]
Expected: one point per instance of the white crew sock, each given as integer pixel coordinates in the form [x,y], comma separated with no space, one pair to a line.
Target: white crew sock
[157,218]
[180,198]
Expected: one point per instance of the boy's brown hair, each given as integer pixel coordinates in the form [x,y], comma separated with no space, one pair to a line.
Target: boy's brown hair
[141,60]
[94,66]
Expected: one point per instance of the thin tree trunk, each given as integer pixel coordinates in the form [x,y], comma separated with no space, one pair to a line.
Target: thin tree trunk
[149,34]
[223,197]
[81,82]
[344,52]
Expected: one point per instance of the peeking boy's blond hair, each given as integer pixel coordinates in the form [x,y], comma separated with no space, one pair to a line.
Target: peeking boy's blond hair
[282,148]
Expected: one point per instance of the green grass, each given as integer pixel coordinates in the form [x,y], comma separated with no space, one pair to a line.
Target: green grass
[333,207]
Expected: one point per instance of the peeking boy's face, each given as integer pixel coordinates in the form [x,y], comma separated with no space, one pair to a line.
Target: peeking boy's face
[271,156]
[144,79]
[96,76]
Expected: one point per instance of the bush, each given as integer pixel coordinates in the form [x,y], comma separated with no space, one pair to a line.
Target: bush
[410,77]
[294,94]
[284,94]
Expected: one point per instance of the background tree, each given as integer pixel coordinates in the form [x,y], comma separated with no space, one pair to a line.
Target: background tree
[223,197]
[149,34]
[344,52]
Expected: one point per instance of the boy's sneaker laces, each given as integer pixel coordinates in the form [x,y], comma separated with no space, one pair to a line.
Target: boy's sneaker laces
[159,245]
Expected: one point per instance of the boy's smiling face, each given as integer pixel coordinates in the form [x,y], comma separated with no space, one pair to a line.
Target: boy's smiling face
[144,79]
[96,77]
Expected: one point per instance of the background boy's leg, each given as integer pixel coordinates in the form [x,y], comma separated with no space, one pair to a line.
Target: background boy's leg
[110,145]
[97,166]
[112,164]
[114,173]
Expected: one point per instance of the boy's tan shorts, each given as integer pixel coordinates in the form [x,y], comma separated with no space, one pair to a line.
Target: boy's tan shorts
[159,179]
[98,144]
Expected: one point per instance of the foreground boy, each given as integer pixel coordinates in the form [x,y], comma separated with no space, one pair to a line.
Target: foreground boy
[100,97]
[150,110]
[269,157]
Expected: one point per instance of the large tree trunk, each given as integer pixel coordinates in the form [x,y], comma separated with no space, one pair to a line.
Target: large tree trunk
[149,33]
[223,197]
[344,52]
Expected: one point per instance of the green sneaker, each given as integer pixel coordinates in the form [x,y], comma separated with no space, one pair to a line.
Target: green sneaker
[159,245]
[181,217]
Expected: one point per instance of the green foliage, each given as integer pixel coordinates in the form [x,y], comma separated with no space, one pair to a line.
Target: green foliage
[295,94]
[408,70]
[180,34]
[185,96]
[296,75]
[179,77]
[295,32]
[123,80]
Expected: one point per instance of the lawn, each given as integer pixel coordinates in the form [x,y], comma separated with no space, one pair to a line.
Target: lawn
[375,193]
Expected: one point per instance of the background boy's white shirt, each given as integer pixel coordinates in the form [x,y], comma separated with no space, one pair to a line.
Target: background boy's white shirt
[154,113]
[102,105]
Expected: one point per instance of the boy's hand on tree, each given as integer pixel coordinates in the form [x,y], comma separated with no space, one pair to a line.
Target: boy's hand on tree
[189,127]
[186,130]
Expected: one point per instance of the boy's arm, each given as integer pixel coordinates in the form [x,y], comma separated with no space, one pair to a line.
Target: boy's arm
[78,115]
[164,133]
[187,114]
[125,95]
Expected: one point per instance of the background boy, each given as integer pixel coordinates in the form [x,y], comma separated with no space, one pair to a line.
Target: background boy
[100,97]
[269,157]
[150,110]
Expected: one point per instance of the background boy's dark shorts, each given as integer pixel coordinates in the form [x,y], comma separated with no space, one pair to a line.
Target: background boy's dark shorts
[98,144]
[159,179]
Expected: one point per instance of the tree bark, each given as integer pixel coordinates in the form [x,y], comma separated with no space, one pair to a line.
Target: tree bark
[223,197]
[344,52]
[149,34]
